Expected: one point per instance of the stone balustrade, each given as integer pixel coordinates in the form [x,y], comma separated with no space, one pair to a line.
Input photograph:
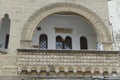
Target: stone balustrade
[68,60]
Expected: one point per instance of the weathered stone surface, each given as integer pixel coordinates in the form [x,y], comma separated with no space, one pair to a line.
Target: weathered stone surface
[25,14]
[89,62]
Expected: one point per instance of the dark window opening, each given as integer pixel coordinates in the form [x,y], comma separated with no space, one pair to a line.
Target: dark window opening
[83,43]
[6,41]
[59,42]
[43,40]
[4,31]
[63,44]
[68,43]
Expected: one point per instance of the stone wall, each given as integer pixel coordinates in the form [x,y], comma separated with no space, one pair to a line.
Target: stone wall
[20,11]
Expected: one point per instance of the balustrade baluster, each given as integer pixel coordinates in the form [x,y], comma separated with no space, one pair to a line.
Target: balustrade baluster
[68,58]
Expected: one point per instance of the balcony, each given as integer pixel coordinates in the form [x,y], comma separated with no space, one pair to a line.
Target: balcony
[86,63]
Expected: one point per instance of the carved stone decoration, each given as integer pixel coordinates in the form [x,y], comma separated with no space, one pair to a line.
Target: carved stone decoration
[91,17]
[68,63]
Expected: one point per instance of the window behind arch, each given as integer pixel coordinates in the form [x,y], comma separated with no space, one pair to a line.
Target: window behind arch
[68,43]
[83,43]
[43,40]
[5,31]
[59,42]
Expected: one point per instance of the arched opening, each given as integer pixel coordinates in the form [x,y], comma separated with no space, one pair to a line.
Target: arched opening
[43,72]
[79,72]
[114,74]
[24,71]
[96,72]
[70,72]
[87,72]
[103,35]
[61,72]
[64,29]
[63,43]
[52,72]
[33,71]
[5,31]
[59,42]
[43,40]
[83,43]
[68,43]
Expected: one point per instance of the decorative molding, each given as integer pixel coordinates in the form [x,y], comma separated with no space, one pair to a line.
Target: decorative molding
[68,60]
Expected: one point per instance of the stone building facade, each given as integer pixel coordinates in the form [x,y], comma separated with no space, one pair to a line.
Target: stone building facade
[56,38]
[115,21]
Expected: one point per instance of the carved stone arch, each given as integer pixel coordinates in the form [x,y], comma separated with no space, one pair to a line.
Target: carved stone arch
[105,72]
[24,71]
[61,72]
[88,72]
[52,71]
[79,72]
[34,71]
[70,72]
[91,17]
[43,72]
[114,72]
[96,72]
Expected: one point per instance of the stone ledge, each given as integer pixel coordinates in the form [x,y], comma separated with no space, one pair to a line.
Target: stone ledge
[67,51]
